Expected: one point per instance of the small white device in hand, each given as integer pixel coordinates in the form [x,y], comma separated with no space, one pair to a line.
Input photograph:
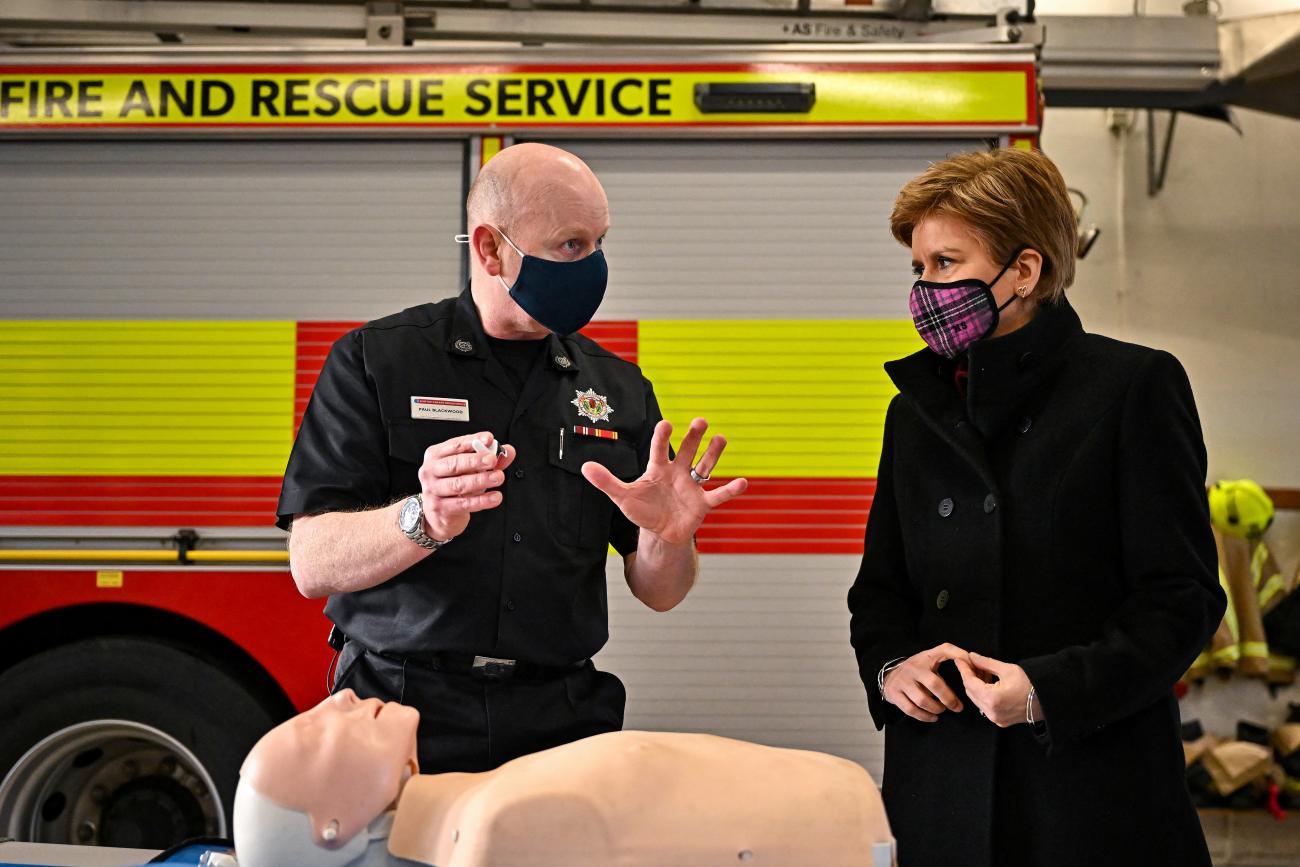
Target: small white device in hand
[483,448]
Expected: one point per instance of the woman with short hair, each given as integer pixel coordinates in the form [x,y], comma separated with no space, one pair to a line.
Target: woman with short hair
[1039,568]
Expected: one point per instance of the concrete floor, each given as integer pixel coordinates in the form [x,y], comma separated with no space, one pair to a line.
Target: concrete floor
[1252,838]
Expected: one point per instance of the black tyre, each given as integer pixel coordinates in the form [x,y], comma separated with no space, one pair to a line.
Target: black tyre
[121,741]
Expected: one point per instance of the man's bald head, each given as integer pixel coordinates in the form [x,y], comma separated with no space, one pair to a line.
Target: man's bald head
[531,199]
[532,181]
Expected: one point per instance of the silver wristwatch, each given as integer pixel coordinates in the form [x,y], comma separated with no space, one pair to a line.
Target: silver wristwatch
[411,522]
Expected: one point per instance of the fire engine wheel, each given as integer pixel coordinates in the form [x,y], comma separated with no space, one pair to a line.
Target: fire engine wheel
[121,742]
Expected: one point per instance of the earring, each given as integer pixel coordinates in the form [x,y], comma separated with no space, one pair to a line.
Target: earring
[1022,291]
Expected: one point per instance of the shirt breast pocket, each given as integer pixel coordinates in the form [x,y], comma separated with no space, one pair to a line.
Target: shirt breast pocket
[580,515]
[407,442]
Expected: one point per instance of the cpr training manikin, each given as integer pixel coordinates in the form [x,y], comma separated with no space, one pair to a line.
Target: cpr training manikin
[338,786]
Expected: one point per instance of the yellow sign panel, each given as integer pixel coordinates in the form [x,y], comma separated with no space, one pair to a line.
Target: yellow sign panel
[476,97]
[108,579]
[217,398]
[818,412]
[146,397]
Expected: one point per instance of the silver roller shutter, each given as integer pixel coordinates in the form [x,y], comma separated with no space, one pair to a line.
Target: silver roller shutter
[756,230]
[759,651]
[284,230]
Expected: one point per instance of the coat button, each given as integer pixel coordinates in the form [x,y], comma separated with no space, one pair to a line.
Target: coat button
[510,605]
[941,602]
[1025,424]
[990,503]
[945,507]
[517,537]
[519,474]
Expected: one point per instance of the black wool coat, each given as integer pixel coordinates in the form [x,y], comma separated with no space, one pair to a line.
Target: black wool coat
[1056,519]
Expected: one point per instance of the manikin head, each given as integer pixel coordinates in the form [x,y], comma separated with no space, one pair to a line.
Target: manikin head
[329,773]
[549,204]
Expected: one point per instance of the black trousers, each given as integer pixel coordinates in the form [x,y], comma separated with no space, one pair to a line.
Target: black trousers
[469,724]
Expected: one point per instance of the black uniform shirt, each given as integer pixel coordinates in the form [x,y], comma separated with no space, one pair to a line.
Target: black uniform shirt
[517,357]
[526,580]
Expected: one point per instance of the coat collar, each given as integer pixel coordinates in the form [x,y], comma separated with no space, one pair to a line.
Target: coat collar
[1004,375]
[467,339]
[1007,372]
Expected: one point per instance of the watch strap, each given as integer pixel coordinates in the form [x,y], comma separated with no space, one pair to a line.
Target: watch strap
[418,536]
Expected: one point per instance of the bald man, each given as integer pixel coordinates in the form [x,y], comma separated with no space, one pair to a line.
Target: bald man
[462,469]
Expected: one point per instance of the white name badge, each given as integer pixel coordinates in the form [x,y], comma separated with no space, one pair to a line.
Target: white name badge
[441,408]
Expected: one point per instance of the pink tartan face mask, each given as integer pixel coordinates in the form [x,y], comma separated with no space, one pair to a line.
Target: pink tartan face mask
[952,316]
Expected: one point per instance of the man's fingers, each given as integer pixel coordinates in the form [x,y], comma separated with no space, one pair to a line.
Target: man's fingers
[940,690]
[730,490]
[461,486]
[479,502]
[690,443]
[456,445]
[711,455]
[659,442]
[508,458]
[605,481]
[462,464]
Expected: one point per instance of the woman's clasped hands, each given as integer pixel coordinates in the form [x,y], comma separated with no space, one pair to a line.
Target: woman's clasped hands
[999,690]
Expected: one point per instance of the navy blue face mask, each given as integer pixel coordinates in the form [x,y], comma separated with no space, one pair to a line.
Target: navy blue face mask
[563,296]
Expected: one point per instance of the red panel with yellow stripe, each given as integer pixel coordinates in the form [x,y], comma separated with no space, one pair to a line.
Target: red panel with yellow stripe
[105,428]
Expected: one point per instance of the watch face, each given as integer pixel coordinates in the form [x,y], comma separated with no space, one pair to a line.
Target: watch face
[410,517]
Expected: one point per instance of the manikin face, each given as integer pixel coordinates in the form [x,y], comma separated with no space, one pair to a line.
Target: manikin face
[343,761]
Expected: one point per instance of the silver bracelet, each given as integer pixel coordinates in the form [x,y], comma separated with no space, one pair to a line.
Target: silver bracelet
[885,670]
[1029,706]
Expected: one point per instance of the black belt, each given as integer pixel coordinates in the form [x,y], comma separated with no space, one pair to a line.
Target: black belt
[479,667]
[489,667]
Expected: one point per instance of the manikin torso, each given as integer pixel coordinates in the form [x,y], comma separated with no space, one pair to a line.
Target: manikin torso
[334,787]
[645,799]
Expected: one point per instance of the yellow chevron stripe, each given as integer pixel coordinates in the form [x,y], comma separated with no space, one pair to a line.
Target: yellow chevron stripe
[146,397]
[795,398]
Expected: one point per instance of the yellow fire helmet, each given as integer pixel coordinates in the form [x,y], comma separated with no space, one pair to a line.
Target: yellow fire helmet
[1240,508]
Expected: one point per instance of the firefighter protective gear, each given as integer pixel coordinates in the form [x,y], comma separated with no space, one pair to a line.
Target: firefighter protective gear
[1240,508]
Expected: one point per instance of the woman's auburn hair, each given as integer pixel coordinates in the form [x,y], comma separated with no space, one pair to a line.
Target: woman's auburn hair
[1007,198]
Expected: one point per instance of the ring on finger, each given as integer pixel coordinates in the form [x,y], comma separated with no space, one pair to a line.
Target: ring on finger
[699,479]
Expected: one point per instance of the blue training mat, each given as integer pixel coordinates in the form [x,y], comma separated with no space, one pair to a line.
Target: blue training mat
[187,854]
[192,853]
